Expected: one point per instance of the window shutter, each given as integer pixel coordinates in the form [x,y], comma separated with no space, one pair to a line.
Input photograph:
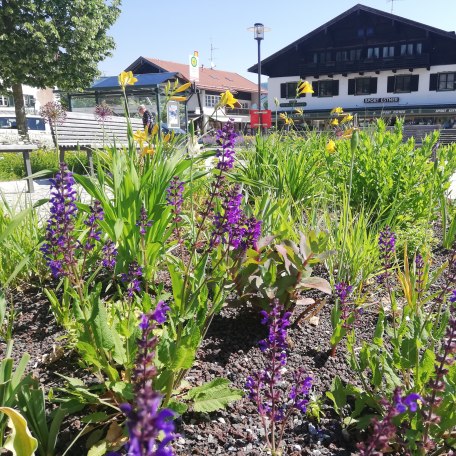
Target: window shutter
[335,88]
[283,90]
[390,87]
[433,81]
[351,87]
[315,88]
[414,83]
[373,85]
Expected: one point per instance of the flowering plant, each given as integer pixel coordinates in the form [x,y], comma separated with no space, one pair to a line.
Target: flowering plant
[266,388]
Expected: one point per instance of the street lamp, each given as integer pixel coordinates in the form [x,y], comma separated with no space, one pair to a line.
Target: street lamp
[258,33]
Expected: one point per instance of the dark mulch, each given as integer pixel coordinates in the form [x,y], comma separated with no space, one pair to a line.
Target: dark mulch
[229,350]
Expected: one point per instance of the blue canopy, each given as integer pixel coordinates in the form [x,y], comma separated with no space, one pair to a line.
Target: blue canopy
[144,80]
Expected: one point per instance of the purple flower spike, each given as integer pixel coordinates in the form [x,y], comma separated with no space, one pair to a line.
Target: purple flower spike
[174,197]
[143,222]
[387,247]
[61,243]
[133,278]
[151,429]
[226,139]
[109,255]
[266,388]
[96,213]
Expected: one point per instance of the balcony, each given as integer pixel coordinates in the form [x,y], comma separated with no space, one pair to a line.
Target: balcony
[348,66]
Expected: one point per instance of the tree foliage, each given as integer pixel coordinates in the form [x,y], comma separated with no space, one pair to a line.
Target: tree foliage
[60,42]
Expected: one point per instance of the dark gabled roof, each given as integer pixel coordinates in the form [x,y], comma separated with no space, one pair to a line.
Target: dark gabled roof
[354,9]
[144,80]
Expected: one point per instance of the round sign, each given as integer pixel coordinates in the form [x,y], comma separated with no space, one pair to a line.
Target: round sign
[194,61]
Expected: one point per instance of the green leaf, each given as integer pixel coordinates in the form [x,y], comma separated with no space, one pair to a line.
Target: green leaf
[20,442]
[214,395]
[338,395]
[99,449]
[179,407]
[409,348]
[183,359]
[427,366]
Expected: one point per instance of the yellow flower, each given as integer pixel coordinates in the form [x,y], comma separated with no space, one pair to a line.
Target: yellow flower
[335,122]
[167,138]
[337,110]
[347,118]
[126,78]
[288,120]
[283,116]
[154,130]
[183,87]
[140,136]
[178,98]
[304,87]
[347,133]
[276,102]
[299,111]
[147,151]
[331,146]
[227,99]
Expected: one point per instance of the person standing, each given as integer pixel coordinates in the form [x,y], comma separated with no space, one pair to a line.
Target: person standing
[147,118]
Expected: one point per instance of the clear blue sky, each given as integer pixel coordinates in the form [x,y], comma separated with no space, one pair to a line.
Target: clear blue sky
[172,30]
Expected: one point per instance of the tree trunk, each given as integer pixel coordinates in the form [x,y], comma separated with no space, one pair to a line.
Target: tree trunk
[19,107]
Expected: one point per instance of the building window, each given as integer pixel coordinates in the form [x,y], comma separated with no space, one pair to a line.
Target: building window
[403,83]
[212,100]
[288,90]
[388,51]
[244,104]
[373,53]
[446,81]
[362,86]
[4,101]
[355,54]
[411,49]
[328,88]
[29,101]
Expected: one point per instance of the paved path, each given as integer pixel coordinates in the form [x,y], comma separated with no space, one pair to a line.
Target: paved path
[16,195]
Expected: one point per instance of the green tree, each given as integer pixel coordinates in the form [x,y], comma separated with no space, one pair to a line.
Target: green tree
[47,43]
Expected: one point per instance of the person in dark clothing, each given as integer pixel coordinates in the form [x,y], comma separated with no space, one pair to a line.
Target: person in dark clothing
[147,118]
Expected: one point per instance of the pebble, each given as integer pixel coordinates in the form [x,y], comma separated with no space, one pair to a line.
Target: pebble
[221,420]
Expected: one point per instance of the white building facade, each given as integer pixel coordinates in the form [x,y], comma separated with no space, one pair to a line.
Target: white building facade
[368,62]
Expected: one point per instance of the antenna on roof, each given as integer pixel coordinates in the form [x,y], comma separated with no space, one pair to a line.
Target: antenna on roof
[213,65]
[392,4]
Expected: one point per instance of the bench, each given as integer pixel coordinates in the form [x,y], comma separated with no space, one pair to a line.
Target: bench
[25,149]
[81,131]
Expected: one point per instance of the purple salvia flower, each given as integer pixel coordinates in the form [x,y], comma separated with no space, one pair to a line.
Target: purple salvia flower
[233,228]
[151,429]
[419,265]
[384,431]
[143,222]
[109,255]
[225,139]
[387,247]
[60,245]
[174,197]
[96,213]
[265,388]
[343,291]
[445,358]
[133,278]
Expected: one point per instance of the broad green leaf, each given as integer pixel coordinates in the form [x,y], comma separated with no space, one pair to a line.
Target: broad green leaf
[183,359]
[427,366]
[178,407]
[20,442]
[214,395]
[99,449]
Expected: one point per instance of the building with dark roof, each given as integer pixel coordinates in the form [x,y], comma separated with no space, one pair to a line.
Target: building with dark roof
[370,62]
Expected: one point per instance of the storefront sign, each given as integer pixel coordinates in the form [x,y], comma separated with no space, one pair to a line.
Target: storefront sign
[293,105]
[172,116]
[382,100]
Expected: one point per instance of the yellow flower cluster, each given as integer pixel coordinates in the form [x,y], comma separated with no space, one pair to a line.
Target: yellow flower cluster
[286,119]
[340,120]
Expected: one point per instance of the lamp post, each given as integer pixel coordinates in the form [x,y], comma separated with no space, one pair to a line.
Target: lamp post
[258,33]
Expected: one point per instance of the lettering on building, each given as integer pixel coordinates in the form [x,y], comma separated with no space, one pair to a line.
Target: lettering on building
[382,100]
